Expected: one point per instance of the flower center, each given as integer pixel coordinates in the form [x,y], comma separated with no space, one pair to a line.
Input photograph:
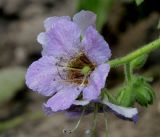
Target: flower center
[81,68]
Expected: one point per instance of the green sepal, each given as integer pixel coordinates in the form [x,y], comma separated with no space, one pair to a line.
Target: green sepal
[144,93]
[111,98]
[125,96]
[105,95]
[139,62]
[142,96]
[137,90]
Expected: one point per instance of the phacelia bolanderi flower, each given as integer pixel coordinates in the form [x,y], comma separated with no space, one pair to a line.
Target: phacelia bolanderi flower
[73,69]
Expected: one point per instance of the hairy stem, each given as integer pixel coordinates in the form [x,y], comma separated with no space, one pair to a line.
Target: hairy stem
[128,72]
[94,124]
[144,50]
[106,122]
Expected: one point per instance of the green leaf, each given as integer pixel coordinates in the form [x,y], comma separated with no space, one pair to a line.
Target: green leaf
[139,62]
[100,7]
[11,81]
[138,2]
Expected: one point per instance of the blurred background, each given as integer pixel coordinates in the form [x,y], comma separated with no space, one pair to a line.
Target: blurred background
[124,25]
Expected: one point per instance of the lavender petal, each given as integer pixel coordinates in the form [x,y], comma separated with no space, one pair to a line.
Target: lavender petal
[95,46]
[63,99]
[84,19]
[96,82]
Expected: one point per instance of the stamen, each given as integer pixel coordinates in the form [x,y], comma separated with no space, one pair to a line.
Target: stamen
[59,74]
[76,70]
[69,68]
[73,80]
[69,131]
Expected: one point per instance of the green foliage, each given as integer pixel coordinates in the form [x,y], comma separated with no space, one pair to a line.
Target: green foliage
[100,7]
[11,80]
[139,62]
[138,2]
[138,90]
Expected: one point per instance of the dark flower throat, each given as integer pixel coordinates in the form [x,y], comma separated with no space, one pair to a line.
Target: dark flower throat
[78,63]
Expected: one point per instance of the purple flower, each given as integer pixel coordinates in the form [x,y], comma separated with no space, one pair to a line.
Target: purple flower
[72,69]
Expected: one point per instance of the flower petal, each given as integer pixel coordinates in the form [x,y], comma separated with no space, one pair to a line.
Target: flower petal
[75,111]
[123,112]
[95,46]
[62,40]
[84,19]
[47,111]
[63,99]
[49,22]
[41,38]
[96,82]
[41,76]
[81,102]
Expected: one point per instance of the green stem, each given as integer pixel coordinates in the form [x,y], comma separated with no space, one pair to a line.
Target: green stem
[128,72]
[106,122]
[144,50]
[93,129]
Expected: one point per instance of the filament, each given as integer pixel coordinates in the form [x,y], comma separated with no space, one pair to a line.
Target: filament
[73,80]
[69,68]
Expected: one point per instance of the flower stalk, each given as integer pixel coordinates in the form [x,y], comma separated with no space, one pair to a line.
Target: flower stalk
[106,122]
[94,124]
[144,50]
[128,72]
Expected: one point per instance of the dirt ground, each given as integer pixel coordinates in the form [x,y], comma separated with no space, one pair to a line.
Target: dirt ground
[125,30]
